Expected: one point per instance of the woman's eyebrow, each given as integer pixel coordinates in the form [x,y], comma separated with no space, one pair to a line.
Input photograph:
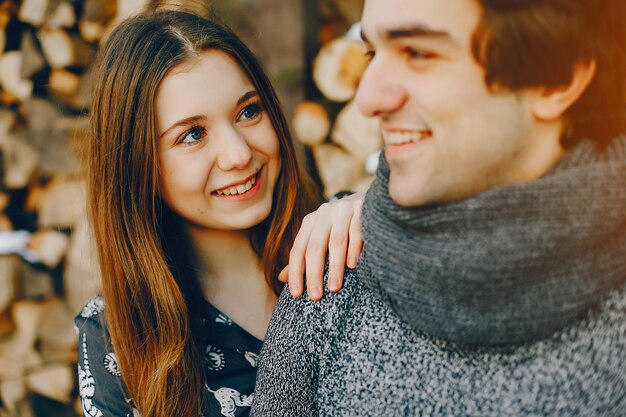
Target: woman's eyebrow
[247,96]
[184,122]
[195,119]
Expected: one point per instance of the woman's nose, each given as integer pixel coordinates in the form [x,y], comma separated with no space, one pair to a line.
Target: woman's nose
[234,151]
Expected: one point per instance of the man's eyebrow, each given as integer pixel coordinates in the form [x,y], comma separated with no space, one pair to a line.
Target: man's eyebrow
[418,30]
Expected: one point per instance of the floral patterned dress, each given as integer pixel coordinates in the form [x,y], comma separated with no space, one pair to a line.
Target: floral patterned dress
[230,360]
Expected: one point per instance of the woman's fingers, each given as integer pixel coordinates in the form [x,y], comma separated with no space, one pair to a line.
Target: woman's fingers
[355,236]
[317,246]
[283,276]
[296,256]
[338,244]
[334,228]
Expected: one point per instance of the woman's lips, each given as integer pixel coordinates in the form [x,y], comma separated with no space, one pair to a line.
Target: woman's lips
[239,187]
[242,190]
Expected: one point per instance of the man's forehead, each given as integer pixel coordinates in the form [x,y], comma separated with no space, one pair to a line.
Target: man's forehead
[385,19]
[411,30]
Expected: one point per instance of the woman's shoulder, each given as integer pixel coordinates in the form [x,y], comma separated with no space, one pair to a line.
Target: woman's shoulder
[91,317]
[101,389]
[93,308]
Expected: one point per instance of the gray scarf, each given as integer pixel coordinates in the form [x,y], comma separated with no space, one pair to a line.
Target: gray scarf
[510,265]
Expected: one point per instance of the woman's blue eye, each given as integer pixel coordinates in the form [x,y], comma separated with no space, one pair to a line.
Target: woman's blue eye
[250,112]
[193,135]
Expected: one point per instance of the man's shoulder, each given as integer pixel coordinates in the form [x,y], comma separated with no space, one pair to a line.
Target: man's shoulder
[320,321]
[331,301]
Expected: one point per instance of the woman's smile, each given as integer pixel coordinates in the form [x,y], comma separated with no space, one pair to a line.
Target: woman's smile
[241,191]
[219,153]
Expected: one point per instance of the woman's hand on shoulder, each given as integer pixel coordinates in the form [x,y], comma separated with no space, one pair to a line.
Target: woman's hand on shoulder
[335,227]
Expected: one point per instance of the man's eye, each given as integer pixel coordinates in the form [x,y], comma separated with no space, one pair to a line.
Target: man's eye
[412,53]
[251,111]
[193,135]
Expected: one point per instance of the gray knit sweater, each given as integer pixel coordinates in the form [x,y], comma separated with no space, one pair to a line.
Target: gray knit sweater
[350,355]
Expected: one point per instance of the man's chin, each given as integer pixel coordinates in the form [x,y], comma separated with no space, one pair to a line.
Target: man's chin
[405,193]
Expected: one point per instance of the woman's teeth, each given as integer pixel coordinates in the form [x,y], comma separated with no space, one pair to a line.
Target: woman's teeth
[400,138]
[239,189]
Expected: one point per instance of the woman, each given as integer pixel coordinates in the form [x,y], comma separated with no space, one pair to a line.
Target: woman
[195,196]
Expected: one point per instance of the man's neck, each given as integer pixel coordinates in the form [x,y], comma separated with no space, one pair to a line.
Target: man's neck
[544,154]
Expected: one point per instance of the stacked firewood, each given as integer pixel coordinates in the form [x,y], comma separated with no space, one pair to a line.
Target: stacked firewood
[345,149]
[47,265]
[47,262]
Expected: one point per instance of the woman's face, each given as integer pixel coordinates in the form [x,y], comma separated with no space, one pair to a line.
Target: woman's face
[217,149]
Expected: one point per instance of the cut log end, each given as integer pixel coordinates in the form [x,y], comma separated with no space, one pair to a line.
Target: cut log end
[311,123]
[338,68]
[11,76]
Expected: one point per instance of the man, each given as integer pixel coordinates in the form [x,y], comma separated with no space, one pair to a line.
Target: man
[493,276]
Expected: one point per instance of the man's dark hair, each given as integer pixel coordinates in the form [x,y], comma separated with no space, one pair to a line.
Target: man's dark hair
[533,43]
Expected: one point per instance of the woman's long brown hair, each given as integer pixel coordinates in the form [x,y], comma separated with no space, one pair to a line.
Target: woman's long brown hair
[148,285]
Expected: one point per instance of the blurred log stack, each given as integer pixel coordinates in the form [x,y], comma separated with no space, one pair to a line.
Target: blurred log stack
[345,149]
[47,270]
[47,262]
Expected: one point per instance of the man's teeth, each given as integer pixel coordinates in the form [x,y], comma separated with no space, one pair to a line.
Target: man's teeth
[239,189]
[400,138]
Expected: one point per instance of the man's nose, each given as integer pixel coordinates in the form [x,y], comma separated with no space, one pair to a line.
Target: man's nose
[379,92]
[233,150]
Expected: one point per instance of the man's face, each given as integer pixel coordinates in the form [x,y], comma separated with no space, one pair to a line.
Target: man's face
[447,136]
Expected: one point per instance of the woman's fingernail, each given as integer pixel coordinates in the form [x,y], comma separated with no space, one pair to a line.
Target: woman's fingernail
[314,292]
[295,291]
[352,262]
[332,284]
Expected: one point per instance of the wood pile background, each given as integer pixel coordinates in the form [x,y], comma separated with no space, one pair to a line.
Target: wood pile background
[47,260]
[345,144]
[47,270]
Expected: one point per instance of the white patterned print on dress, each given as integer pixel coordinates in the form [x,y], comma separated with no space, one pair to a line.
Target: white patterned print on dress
[223,319]
[214,358]
[87,385]
[110,364]
[230,399]
[252,358]
[133,409]
[135,413]
[93,307]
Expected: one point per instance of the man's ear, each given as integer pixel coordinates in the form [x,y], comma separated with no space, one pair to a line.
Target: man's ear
[552,102]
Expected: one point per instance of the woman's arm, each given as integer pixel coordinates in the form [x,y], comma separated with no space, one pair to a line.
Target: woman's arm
[99,380]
